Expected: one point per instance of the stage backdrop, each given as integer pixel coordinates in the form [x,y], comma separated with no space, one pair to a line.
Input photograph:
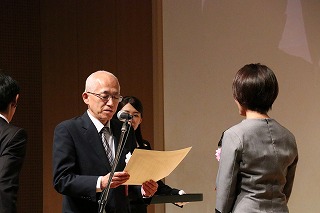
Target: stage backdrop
[204,44]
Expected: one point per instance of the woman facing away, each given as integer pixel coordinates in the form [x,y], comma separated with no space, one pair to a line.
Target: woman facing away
[258,156]
[134,107]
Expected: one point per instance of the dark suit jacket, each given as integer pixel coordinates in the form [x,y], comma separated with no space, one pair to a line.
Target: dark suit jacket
[12,153]
[79,159]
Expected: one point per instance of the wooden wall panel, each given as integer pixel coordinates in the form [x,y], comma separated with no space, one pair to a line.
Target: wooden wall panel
[78,38]
[60,82]
[134,56]
[96,24]
[51,47]
[20,57]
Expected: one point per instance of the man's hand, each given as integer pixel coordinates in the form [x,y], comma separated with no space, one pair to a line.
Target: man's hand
[117,179]
[148,188]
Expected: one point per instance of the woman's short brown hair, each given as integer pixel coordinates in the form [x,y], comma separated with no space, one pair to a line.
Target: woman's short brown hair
[255,87]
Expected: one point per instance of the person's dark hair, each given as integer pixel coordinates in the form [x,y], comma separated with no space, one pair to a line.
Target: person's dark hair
[136,103]
[9,89]
[255,87]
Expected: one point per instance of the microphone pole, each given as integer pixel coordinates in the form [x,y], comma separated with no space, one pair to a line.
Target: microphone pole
[104,195]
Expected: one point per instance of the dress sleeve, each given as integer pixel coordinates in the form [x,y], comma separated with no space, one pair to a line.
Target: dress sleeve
[290,178]
[228,171]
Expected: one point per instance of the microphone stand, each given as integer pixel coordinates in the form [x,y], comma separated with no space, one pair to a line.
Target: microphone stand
[104,195]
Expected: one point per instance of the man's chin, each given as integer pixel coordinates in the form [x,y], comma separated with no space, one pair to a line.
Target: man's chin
[107,115]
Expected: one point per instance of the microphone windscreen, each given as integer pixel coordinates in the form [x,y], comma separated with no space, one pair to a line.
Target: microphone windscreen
[122,115]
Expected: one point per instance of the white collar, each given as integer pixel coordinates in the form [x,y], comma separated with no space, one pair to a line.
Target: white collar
[96,122]
[2,116]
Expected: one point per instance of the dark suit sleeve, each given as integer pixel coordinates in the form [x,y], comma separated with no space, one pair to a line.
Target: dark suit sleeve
[67,177]
[164,189]
[11,160]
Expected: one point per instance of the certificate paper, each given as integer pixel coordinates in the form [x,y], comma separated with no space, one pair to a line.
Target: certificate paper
[154,165]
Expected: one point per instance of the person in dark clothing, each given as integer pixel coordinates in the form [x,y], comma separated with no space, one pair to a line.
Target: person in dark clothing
[13,142]
[84,149]
[133,106]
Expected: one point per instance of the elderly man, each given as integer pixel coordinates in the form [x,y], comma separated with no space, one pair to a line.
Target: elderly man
[84,149]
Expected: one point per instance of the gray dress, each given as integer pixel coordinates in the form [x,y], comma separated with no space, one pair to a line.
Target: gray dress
[257,167]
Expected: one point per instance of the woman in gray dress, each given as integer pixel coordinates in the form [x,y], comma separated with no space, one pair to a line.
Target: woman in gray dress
[258,156]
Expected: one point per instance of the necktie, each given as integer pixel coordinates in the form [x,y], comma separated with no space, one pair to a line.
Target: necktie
[106,136]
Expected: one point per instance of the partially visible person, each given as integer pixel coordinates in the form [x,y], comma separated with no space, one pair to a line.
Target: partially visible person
[218,151]
[134,107]
[258,156]
[13,142]
[84,149]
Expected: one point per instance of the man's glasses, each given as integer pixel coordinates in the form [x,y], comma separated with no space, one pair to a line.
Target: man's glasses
[106,97]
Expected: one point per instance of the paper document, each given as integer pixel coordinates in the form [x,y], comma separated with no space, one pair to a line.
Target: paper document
[154,165]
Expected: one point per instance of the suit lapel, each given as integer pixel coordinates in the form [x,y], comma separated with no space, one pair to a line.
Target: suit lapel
[93,138]
[116,128]
[4,131]
[116,131]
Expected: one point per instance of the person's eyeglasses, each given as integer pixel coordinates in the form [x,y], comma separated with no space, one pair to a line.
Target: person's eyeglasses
[106,97]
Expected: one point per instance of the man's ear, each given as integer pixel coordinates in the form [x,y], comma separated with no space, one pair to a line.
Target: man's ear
[85,97]
[12,108]
[15,103]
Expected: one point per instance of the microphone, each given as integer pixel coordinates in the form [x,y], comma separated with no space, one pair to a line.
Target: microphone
[122,115]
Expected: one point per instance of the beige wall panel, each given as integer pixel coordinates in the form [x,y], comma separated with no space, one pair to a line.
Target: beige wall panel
[204,44]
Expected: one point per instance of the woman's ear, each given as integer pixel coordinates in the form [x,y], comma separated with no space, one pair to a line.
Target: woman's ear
[242,110]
